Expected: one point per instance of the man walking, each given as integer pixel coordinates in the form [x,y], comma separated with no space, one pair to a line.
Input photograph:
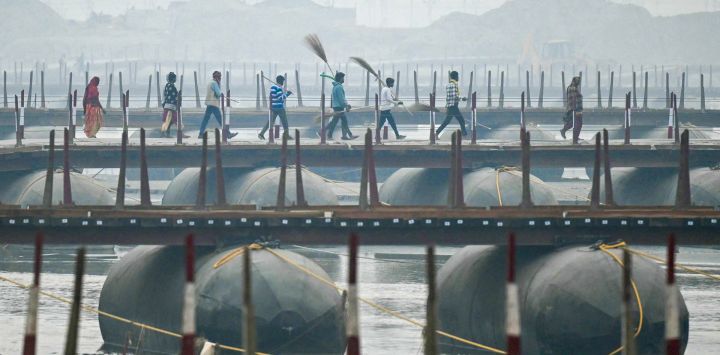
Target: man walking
[451,104]
[574,106]
[212,103]
[278,94]
[340,106]
[387,102]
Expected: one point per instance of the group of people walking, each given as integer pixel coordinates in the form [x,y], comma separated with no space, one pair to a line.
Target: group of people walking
[94,112]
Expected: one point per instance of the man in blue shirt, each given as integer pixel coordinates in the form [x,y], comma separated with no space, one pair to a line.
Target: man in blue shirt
[212,103]
[278,95]
[340,106]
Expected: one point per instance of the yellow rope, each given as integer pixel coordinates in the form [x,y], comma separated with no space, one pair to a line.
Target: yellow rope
[679,266]
[382,308]
[234,253]
[115,317]
[605,249]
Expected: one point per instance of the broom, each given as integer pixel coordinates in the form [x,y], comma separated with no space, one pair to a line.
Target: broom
[313,43]
[365,65]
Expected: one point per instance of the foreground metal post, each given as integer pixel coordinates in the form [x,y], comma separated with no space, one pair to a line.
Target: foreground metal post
[372,176]
[67,189]
[352,327]
[452,194]
[609,199]
[50,173]
[18,137]
[430,332]
[526,197]
[672,316]
[595,190]
[299,187]
[683,198]
[144,179]
[376,111]
[512,302]
[188,311]
[202,178]
[179,133]
[249,341]
[676,123]
[74,326]
[280,202]
[415,83]
[30,339]
[628,336]
[120,192]
[220,200]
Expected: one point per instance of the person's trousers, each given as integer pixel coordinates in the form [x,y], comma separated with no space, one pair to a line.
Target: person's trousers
[339,115]
[277,112]
[453,111]
[387,116]
[576,127]
[210,110]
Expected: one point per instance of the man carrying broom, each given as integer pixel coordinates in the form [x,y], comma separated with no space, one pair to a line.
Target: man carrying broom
[278,96]
[387,102]
[451,103]
[340,106]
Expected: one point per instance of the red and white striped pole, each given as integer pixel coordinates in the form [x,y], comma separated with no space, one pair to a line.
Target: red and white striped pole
[188,316]
[672,316]
[512,310]
[352,328]
[30,341]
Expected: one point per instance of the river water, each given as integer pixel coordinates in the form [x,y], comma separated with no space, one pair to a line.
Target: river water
[396,285]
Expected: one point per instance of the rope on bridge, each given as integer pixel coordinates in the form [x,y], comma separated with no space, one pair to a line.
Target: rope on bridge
[94,310]
[605,248]
[679,266]
[382,308]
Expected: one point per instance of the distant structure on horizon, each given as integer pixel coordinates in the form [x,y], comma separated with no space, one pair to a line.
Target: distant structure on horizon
[372,13]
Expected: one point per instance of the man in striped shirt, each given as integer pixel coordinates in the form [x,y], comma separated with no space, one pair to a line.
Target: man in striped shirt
[278,95]
[451,104]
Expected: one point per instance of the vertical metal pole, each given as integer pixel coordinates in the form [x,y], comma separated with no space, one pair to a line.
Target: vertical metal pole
[364,173]
[5,99]
[67,189]
[452,179]
[30,88]
[634,90]
[609,199]
[628,334]
[157,89]
[188,310]
[299,186]
[323,135]
[372,176]
[120,192]
[74,326]
[220,200]
[434,84]
[501,104]
[200,199]
[599,94]
[397,85]
[512,302]
[262,90]
[470,86]
[702,93]
[249,337]
[645,94]
[526,196]
[683,197]
[179,134]
[628,118]
[527,88]
[147,103]
[109,90]
[430,333]
[671,118]
[280,202]
[197,90]
[667,90]
[70,87]
[595,189]
[459,190]
[376,111]
[682,92]
[564,89]
[50,173]
[297,84]
[610,95]
[144,179]
[271,129]
[257,94]
[489,89]
[473,117]
[352,327]
[30,339]
[542,89]
[415,85]
[18,136]
[672,313]
[433,136]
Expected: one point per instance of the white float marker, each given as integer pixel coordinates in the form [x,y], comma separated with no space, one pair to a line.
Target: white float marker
[672,316]
[353,322]
[30,341]
[512,309]
[188,316]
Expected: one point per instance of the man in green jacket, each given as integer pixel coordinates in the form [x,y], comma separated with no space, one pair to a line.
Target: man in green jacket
[340,106]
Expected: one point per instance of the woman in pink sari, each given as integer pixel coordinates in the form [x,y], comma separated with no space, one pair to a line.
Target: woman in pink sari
[92,108]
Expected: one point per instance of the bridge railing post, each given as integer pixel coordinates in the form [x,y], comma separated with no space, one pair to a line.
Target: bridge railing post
[473,116]
[201,199]
[595,189]
[299,186]
[609,198]
[672,317]
[628,119]
[74,327]
[120,192]
[431,310]
[512,302]
[433,136]
[144,177]
[352,327]
[30,338]
[280,202]
[187,346]
[67,189]
[526,196]
[683,197]
[220,200]
[50,173]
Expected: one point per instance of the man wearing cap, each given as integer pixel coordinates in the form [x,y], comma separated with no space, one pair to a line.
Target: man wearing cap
[212,103]
[340,106]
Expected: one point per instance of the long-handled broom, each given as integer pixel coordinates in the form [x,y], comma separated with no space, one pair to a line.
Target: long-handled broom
[313,43]
[365,65]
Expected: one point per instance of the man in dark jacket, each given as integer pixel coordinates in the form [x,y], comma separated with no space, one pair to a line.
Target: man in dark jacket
[574,105]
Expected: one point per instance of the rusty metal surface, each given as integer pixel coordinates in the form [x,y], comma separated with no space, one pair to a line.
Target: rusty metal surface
[384,225]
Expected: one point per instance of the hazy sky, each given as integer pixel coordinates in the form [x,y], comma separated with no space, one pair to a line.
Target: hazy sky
[375,13]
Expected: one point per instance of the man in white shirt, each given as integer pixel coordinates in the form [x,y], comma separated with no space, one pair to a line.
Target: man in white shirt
[387,102]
